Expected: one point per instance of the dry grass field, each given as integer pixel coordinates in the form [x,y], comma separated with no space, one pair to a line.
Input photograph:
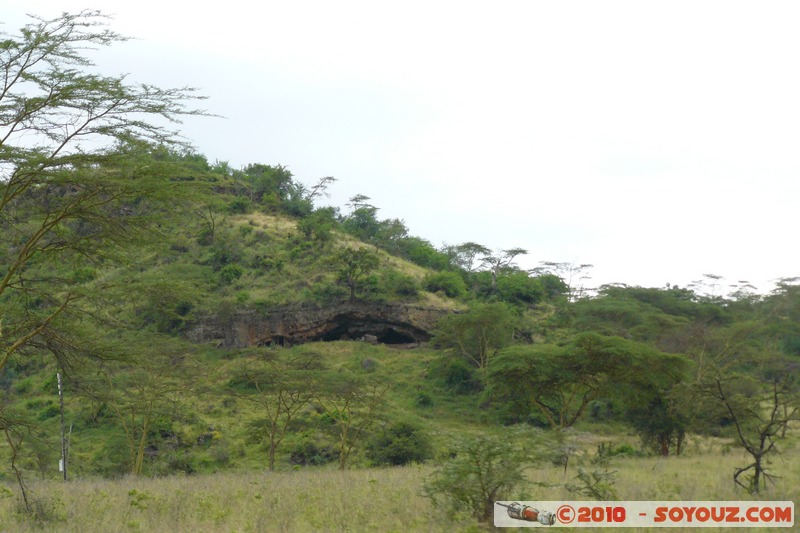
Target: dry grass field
[369,500]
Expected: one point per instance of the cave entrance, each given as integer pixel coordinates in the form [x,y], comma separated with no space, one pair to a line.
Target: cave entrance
[352,328]
[392,336]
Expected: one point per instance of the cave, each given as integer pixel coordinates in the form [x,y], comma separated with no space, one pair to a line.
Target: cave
[350,327]
[392,336]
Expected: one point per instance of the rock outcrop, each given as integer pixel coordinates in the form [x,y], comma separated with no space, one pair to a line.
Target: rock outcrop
[388,323]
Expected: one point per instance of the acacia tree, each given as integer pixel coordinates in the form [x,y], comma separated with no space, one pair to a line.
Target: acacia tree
[570,273]
[559,382]
[73,184]
[139,395]
[659,414]
[352,403]
[497,262]
[353,265]
[465,255]
[278,388]
[480,471]
[759,406]
[478,334]
[140,378]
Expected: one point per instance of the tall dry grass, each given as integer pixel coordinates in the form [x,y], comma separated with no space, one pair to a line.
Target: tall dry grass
[298,501]
[374,500]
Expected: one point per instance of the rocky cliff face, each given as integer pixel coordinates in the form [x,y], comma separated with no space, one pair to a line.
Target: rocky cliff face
[389,323]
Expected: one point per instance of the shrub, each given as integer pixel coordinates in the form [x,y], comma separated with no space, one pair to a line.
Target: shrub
[239,206]
[450,283]
[599,484]
[42,509]
[393,282]
[400,444]
[458,376]
[328,293]
[49,412]
[422,253]
[230,273]
[483,469]
[309,451]
[242,297]
[175,462]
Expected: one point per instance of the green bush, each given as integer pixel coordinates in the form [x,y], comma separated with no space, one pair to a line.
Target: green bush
[175,462]
[398,284]
[319,225]
[112,459]
[230,273]
[600,483]
[49,412]
[450,283]
[458,376]
[328,293]
[399,444]
[481,470]
[309,451]
[24,386]
[624,450]
[242,297]
[422,253]
[239,206]
[83,275]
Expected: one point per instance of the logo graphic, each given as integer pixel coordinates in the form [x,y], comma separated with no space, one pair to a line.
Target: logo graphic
[518,511]
[644,514]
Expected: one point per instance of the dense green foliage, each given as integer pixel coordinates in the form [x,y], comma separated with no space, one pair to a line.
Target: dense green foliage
[479,471]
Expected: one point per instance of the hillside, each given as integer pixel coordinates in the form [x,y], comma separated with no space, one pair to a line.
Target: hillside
[230,281]
[213,282]
[236,335]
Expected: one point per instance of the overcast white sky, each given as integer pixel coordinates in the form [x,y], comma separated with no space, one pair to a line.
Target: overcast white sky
[656,140]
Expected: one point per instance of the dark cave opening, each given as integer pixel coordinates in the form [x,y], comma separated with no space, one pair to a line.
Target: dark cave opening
[344,328]
[391,336]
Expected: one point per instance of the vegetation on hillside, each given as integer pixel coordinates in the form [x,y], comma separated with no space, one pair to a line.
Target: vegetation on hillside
[111,250]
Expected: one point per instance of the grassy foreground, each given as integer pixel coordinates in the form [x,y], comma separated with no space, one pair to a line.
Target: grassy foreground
[356,500]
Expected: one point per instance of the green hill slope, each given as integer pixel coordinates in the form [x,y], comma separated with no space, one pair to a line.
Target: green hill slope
[259,330]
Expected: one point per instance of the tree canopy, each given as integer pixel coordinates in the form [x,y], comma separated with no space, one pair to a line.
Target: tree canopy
[73,145]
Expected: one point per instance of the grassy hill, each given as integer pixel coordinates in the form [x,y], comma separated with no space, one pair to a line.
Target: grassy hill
[209,261]
[146,394]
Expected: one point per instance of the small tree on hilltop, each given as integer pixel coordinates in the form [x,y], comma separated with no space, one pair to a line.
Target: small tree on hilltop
[497,262]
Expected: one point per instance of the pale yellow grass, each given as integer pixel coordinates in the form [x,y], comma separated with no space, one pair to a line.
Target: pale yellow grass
[305,500]
[374,500]
[272,224]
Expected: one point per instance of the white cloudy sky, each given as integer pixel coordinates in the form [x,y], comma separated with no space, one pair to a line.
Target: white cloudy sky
[656,140]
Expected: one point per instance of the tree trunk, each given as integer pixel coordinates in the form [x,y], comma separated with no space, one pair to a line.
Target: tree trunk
[663,440]
[139,461]
[272,455]
[757,475]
